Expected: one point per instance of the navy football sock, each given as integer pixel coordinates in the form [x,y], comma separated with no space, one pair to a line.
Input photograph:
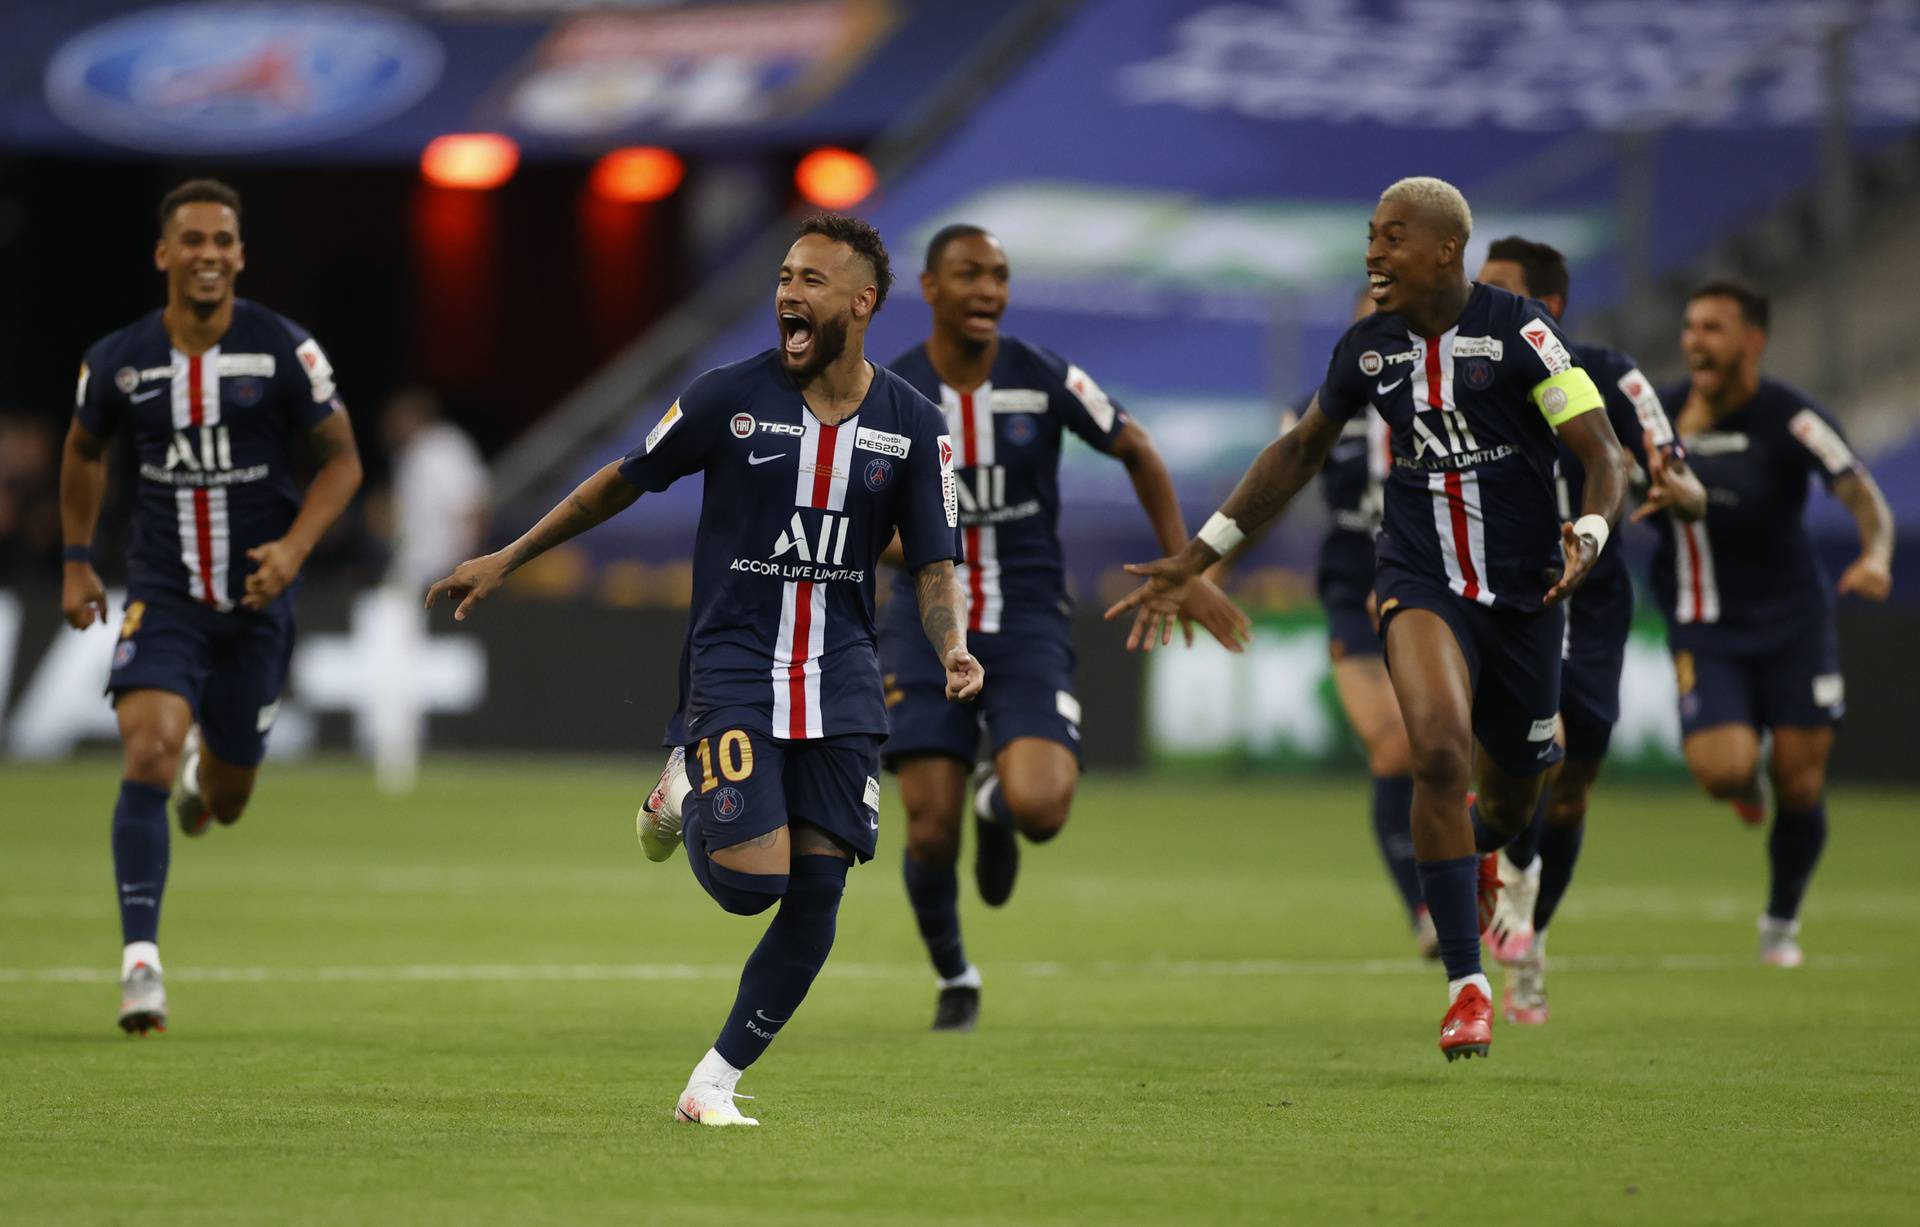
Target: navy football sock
[1485,837]
[1393,831]
[1522,848]
[1453,900]
[1794,847]
[1559,851]
[140,853]
[782,967]
[934,891]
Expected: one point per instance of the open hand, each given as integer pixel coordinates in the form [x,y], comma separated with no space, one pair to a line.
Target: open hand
[1214,610]
[472,581]
[1581,554]
[1671,486]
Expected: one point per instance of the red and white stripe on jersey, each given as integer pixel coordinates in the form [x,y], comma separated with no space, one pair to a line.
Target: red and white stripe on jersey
[826,464]
[1458,519]
[1696,594]
[970,420]
[206,537]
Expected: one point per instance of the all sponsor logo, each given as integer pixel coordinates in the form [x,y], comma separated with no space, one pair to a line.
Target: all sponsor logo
[233,78]
[742,425]
[1371,363]
[319,370]
[879,472]
[1478,373]
[1098,406]
[949,493]
[244,392]
[728,804]
[871,794]
[228,366]
[1017,400]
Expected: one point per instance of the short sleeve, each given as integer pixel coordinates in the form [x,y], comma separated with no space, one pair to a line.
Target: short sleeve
[1822,447]
[928,510]
[1083,407]
[95,403]
[311,394]
[1344,392]
[1559,387]
[681,441]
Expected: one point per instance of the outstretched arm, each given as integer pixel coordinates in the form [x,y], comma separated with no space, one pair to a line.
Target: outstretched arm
[943,616]
[1671,486]
[83,484]
[1871,574]
[1153,486]
[1591,439]
[600,497]
[1277,474]
[332,488]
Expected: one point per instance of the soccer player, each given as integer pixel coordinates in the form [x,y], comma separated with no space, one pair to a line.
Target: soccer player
[214,392]
[1474,559]
[813,457]
[1749,610]
[1007,404]
[1537,867]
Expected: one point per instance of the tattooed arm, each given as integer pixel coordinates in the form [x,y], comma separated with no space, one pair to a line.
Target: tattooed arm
[600,497]
[943,616]
[333,487]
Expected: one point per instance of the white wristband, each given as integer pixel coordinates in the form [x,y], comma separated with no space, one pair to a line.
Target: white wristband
[1594,526]
[1221,534]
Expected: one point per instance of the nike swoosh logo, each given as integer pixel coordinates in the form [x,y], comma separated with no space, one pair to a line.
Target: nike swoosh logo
[145,396]
[1381,389]
[753,459]
[763,1014]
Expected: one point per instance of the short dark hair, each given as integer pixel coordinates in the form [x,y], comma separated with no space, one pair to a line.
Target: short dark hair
[1544,267]
[937,245]
[198,191]
[1754,307]
[862,237]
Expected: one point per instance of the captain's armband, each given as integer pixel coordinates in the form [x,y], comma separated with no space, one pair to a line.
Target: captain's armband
[1566,396]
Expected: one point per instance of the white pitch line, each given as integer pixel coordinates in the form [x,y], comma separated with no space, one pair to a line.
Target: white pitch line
[531,973]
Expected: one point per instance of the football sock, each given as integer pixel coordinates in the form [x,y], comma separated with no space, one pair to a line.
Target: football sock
[137,953]
[1393,831]
[1559,851]
[1522,848]
[1454,986]
[1453,900]
[934,891]
[1485,837]
[990,803]
[782,967]
[1793,847]
[140,854]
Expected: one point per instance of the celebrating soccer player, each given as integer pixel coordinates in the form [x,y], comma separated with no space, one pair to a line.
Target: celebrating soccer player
[1007,403]
[213,390]
[813,458]
[1749,610]
[1536,868]
[1474,558]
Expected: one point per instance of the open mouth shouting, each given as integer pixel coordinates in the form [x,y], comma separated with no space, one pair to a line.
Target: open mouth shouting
[1379,284]
[796,335]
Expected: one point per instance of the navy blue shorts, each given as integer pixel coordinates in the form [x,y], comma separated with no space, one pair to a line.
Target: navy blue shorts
[1590,669]
[229,667]
[1029,693]
[1513,662]
[1797,685]
[752,783]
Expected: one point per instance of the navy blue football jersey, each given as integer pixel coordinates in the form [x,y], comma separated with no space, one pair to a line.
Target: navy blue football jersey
[1746,578]
[1634,408]
[1471,499]
[793,519]
[1007,436]
[211,435]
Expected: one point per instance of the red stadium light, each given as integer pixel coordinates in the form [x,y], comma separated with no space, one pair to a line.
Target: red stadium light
[475,161]
[641,174]
[834,178]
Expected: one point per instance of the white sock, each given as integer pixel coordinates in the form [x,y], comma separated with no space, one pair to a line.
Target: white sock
[1479,978]
[970,978]
[714,1068]
[983,800]
[677,792]
[139,952]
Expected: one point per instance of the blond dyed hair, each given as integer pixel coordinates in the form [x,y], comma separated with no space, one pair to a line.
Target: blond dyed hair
[1436,197]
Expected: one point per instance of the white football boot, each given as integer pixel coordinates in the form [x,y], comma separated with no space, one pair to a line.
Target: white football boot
[708,1099]
[658,821]
[1780,942]
[1510,934]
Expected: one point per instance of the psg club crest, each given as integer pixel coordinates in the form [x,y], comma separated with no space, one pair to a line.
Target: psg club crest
[238,78]
[1020,429]
[1479,373]
[123,653]
[246,390]
[879,473]
[728,804]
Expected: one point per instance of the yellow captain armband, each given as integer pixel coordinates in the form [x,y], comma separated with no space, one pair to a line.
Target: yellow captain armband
[1566,396]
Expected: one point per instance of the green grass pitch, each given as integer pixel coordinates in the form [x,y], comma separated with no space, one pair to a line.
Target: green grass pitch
[478,1004]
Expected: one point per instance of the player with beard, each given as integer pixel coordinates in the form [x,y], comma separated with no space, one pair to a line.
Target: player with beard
[1008,404]
[1749,609]
[1537,867]
[813,457]
[1474,559]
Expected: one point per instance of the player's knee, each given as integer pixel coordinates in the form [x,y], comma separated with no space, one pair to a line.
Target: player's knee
[1724,779]
[1390,755]
[1567,808]
[225,800]
[743,894]
[1040,812]
[933,836]
[1800,788]
[150,757]
[1444,769]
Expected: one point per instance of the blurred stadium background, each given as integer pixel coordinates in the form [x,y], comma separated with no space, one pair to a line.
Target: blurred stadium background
[546,215]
